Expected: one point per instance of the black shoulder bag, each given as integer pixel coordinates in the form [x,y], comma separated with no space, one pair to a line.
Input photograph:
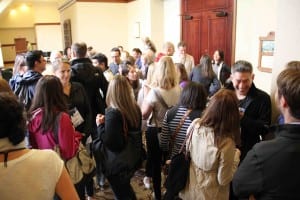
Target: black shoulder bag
[178,170]
[123,163]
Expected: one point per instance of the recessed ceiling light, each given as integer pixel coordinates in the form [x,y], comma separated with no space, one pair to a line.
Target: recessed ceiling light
[24,7]
[13,12]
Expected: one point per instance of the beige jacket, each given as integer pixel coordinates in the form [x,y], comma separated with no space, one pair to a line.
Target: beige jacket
[212,168]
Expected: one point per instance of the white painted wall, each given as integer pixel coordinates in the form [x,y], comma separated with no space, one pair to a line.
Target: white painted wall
[100,25]
[106,25]
[138,12]
[255,18]
[159,20]
[287,40]
[46,33]
[172,21]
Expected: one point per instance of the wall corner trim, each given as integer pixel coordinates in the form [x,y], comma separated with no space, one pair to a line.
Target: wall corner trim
[66,5]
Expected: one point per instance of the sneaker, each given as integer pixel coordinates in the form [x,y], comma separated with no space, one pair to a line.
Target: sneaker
[146,181]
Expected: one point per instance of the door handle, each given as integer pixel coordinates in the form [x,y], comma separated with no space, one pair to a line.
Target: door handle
[188,17]
[221,13]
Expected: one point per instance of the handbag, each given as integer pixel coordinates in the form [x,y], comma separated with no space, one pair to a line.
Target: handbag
[174,135]
[123,163]
[167,156]
[80,166]
[178,170]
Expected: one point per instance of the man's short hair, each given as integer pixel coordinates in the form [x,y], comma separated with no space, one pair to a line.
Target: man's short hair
[137,50]
[116,49]
[101,58]
[288,84]
[32,56]
[80,49]
[181,44]
[242,66]
[295,64]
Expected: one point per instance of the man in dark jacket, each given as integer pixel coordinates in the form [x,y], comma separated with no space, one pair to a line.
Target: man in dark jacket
[271,168]
[93,81]
[90,77]
[24,86]
[254,105]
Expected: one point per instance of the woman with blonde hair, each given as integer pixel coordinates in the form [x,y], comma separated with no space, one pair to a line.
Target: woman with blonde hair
[19,69]
[119,128]
[212,147]
[164,94]
[79,110]
[148,67]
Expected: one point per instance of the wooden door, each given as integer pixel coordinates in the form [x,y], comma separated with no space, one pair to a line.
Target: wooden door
[207,25]
[20,45]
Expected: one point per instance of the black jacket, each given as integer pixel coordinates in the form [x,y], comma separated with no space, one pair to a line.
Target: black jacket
[257,118]
[92,79]
[116,157]
[24,86]
[271,169]
[224,73]
[78,98]
[212,85]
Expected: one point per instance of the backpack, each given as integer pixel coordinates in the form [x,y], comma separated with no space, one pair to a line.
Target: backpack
[82,165]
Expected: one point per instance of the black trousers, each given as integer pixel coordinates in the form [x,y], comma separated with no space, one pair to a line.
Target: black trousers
[154,159]
[121,187]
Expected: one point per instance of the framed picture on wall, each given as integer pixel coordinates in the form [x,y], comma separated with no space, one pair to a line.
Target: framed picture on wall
[266,52]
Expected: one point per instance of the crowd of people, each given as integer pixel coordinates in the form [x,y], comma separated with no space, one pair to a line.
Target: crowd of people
[161,95]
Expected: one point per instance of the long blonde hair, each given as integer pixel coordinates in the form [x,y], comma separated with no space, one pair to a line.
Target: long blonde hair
[120,96]
[165,75]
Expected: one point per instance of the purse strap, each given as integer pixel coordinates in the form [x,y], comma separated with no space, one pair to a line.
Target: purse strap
[189,135]
[160,99]
[173,136]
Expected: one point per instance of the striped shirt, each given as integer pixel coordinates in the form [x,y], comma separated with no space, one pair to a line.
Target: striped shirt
[169,126]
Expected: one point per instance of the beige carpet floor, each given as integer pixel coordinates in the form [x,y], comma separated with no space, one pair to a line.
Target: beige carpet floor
[137,183]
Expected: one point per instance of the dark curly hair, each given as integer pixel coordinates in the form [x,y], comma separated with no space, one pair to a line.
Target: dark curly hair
[12,118]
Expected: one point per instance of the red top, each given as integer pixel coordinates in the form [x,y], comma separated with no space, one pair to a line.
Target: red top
[68,138]
[159,55]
